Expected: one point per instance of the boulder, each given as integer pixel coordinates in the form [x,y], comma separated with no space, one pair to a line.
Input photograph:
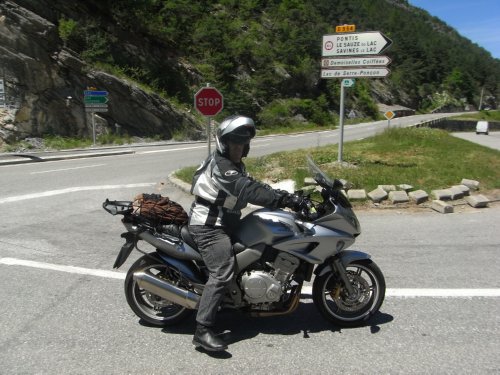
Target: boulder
[45,81]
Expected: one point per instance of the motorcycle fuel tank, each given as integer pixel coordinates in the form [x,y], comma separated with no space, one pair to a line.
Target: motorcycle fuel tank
[266,226]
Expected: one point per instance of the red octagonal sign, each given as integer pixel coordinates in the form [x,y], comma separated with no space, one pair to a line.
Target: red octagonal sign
[208,101]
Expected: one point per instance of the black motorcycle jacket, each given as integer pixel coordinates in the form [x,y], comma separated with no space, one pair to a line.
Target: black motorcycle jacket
[222,189]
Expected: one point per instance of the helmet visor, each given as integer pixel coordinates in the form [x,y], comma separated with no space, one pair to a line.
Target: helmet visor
[239,136]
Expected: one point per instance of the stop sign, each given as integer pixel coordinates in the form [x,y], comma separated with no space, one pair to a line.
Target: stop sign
[208,101]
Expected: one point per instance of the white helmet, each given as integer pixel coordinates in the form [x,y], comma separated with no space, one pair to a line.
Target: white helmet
[237,129]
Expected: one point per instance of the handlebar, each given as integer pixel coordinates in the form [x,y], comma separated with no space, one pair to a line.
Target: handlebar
[307,209]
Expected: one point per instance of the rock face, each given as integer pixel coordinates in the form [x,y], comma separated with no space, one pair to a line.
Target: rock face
[44,83]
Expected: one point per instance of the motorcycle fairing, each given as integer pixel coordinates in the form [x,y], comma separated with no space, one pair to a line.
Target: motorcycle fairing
[188,269]
[266,226]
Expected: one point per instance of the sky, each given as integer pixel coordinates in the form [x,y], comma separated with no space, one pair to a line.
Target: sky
[477,20]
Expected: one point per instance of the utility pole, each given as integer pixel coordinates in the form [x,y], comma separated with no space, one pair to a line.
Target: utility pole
[481,100]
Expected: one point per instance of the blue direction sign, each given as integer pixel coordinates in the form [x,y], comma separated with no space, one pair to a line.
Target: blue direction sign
[95,93]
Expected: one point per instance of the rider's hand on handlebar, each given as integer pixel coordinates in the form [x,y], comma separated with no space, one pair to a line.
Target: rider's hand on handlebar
[294,201]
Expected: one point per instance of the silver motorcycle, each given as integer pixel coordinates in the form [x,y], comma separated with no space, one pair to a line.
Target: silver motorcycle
[276,252]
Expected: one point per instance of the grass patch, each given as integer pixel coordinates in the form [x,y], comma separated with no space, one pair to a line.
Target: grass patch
[425,158]
[307,127]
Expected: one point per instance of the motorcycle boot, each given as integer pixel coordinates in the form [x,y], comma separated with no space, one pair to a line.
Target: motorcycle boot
[207,339]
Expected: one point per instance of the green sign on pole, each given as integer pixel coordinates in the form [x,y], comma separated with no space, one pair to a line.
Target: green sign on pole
[95,99]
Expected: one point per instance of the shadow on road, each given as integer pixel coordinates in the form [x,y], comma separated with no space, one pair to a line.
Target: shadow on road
[305,321]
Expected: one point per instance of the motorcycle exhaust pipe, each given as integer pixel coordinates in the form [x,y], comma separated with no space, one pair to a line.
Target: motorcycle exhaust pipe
[166,290]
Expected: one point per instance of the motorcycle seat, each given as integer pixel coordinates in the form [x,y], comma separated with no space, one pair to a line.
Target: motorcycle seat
[171,229]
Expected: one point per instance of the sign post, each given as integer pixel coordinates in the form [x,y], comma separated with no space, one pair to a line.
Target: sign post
[389,115]
[2,94]
[209,102]
[95,101]
[349,55]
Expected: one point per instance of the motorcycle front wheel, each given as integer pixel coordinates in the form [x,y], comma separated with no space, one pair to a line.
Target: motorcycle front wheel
[148,306]
[349,310]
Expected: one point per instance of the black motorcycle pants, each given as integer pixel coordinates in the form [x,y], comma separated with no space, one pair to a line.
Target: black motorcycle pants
[216,250]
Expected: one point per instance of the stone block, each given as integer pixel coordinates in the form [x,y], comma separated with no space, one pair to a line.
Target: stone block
[377,195]
[405,187]
[346,184]
[465,189]
[418,196]
[356,194]
[398,197]
[308,181]
[441,194]
[442,207]
[308,189]
[471,184]
[387,188]
[477,201]
[456,193]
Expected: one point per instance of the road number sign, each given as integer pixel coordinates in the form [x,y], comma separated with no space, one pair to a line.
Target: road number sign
[208,101]
[348,82]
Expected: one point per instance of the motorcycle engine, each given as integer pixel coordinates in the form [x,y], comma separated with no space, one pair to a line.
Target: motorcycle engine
[265,287]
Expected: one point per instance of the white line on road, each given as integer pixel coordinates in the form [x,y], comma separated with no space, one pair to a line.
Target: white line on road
[68,169]
[396,292]
[51,193]
[260,145]
[171,150]
[61,268]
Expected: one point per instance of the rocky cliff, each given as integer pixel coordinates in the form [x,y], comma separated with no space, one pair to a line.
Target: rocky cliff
[44,82]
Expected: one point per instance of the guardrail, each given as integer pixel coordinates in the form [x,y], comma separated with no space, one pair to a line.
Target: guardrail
[456,125]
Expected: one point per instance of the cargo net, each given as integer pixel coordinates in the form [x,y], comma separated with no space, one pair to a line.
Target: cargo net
[159,210]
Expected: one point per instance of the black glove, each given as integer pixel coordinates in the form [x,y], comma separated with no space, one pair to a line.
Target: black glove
[292,201]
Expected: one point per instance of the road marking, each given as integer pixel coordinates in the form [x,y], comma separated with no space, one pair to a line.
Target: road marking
[61,268]
[51,193]
[307,290]
[171,150]
[68,169]
[260,145]
[442,293]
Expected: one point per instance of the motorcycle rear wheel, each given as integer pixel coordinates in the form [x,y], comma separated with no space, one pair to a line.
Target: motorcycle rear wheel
[332,300]
[149,307]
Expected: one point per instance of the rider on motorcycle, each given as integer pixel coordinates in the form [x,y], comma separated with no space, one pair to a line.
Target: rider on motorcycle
[222,188]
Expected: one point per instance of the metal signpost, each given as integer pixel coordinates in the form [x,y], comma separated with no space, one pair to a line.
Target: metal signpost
[95,101]
[209,102]
[350,55]
[2,94]
[389,115]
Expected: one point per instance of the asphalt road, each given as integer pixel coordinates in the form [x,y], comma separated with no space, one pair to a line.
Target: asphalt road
[492,140]
[64,310]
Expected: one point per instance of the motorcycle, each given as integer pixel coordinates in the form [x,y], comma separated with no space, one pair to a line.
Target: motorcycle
[276,252]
